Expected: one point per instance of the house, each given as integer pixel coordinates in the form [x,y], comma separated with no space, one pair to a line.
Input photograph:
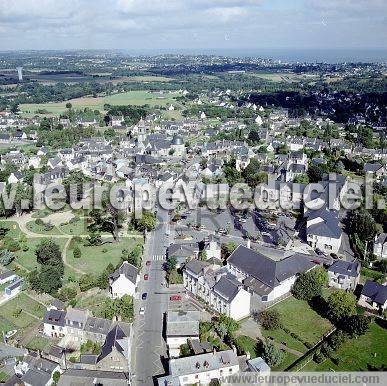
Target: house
[123,281]
[376,169]
[14,288]
[217,287]
[181,326]
[344,275]
[380,246]
[7,276]
[268,273]
[323,231]
[201,369]
[183,252]
[34,370]
[89,377]
[212,248]
[373,296]
[258,365]
[15,178]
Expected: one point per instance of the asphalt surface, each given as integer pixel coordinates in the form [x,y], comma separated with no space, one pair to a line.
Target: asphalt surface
[149,349]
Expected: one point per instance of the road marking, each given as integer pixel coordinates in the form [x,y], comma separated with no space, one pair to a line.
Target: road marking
[158,257]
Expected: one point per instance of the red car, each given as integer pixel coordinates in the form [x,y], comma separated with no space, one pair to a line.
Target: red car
[175,298]
[146,276]
[148,263]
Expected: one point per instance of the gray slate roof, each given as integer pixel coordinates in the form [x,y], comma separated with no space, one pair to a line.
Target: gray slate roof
[345,268]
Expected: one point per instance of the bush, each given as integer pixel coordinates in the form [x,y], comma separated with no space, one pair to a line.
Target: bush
[6,257]
[12,245]
[86,282]
[270,320]
[77,252]
[272,355]
[319,357]
[39,222]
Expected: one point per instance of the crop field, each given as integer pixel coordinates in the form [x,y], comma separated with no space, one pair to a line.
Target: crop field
[137,98]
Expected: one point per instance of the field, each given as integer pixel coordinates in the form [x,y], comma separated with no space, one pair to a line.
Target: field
[95,259]
[138,98]
[357,354]
[302,321]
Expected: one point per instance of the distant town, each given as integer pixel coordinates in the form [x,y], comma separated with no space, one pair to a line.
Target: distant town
[205,285]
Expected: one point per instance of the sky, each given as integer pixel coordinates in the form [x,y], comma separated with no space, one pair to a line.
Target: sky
[192,24]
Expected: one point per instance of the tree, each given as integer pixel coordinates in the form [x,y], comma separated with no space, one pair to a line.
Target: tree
[254,137]
[340,305]
[48,252]
[171,264]
[362,223]
[146,222]
[203,255]
[69,105]
[56,377]
[356,324]
[315,173]
[272,355]
[270,320]
[134,257]
[310,284]
[94,238]
[48,280]
[6,257]
[77,252]
[301,179]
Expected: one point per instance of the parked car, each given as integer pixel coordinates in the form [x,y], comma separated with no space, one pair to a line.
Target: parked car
[148,263]
[142,311]
[144,296]
[146,276]
[175,298]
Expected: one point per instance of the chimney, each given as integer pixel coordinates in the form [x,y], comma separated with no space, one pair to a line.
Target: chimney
[248,243]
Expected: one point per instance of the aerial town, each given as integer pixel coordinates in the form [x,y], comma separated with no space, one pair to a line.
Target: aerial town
[248,235]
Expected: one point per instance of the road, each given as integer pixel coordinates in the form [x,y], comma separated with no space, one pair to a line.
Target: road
[149,349]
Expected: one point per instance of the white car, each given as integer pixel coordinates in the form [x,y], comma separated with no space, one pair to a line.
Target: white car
[142,311]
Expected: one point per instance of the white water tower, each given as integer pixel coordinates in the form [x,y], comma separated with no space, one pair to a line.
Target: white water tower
[20,73]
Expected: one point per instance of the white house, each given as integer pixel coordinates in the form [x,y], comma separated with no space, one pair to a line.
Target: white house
[344,275]
[123,281]
[380,246]
[201,369]
[213,248]
[373,296]
[181,326]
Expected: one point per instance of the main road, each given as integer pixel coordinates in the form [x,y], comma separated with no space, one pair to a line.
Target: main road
[148,345]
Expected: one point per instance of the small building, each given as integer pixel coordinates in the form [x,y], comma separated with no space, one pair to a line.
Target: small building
[258,365]
[344,275]
[181,326]
[123,281]
[380,246]
[14,288]
[7,276]
[373,296]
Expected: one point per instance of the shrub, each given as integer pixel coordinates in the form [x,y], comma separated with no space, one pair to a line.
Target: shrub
[319,357]
[12,245]
[39,222]
[6,257]
[270,320]
[272,355]
[77,252]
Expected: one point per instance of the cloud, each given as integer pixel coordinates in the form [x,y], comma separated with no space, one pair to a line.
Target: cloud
[191,23]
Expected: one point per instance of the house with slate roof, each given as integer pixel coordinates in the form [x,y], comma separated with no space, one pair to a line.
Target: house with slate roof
[373,296]
[344,275]
[123,281]
[268,273]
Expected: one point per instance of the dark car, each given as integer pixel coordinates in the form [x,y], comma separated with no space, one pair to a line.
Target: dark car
[144,296]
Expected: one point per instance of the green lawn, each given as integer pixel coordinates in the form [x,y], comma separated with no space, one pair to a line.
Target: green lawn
[95,259]
[39,343]
[6,325]
[93,302]
[138,98]
[356,354]
[300,319]
[76,228]
[280,336]
[3,376]
[40,229]
[289,359]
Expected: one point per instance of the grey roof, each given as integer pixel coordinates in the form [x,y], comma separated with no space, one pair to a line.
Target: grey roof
[183,249]
[89,359]
[55,317]
[376,292]
[258,364]
[6,275]
[114,339]
[183,323]
[196,266]
[98,325]
[91,377]
[269,272]
[15,284]
[328,227]
[36,377]
[36,362]
[76,316]
[177,140]
[372,168]
[345,268]
[381,239]
[227,287]
[127,269]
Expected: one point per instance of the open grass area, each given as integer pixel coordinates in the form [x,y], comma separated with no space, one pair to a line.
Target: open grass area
[41,229]
[369,349]
[6,325]
[138,98]
[301,320]
[40,343]
[92,301]
[17,311]
[289,359]
[3,376]
[94,259]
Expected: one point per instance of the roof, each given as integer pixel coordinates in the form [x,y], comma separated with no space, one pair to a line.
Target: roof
[372,168]
[36,377]
[183,249]
[91,377]
[183,323]
[6,275]
[227,287]
[376,292]
[126,269]
[196,266]
[328,226]
[55,317]
[116,338]
[98,325]
[258,364]
[263,268]
[345,268]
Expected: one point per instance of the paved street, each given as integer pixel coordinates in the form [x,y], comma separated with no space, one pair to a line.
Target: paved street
[148,345]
